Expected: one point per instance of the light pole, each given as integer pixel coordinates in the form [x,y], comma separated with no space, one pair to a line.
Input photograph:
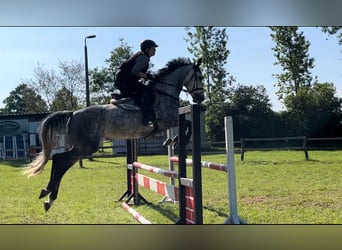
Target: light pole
[87,80]
[86,68]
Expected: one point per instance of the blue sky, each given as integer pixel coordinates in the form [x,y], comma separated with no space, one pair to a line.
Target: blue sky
[250,61]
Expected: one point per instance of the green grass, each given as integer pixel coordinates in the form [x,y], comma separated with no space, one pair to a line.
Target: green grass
[278,187]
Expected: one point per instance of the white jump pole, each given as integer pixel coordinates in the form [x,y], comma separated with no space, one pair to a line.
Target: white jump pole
[232,200]
[170,152]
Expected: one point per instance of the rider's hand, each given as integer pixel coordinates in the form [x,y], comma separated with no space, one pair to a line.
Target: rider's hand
[150,76]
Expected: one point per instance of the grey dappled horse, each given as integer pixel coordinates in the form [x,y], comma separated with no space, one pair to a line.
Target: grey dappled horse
[88,127]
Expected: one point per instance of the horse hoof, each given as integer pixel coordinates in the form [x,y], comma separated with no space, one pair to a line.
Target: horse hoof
[47,206]
[44,193]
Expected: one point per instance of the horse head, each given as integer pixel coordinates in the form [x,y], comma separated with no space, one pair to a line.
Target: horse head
[177,73]
[194,82]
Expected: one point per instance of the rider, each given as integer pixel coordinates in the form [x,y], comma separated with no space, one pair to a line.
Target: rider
[128,80]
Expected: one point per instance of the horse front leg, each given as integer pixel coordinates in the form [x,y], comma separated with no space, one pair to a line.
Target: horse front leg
[60,164]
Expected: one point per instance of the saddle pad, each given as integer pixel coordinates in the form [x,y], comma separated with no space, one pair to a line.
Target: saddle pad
[125,103]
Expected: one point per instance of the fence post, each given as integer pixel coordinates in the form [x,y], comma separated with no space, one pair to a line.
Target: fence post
[196,159]
[181,166]
[231,177]
[130,158]
[242,149]
[305,147]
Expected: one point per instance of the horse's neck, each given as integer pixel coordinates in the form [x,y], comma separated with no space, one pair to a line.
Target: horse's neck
[172,83]
[169,86]
[168,100]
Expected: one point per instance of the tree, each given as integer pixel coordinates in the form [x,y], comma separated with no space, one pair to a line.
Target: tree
[332,30]
[102,80]
[64,100]
[314,112]
[69,79]
[210,44]
[251,109]
[24,99]
[72,80]
[291,50]
[45,82]
[312,108]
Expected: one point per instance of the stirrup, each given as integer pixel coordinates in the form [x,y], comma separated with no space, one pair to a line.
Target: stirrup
[149,124]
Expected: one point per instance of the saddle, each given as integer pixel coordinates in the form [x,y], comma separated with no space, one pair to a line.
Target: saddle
[129,104]
[126,104]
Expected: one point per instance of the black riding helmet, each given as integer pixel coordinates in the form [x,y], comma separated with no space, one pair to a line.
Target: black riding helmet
[146,44]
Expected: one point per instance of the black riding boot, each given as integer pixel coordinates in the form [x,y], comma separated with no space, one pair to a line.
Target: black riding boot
[147,101]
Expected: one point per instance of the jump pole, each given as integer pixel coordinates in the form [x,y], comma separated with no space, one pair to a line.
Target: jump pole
[135,214]
[232,200]
[170,152]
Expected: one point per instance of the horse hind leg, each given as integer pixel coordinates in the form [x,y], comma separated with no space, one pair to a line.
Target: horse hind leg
[61,162]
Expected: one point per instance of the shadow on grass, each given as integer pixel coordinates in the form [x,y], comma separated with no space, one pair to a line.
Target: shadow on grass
[22,163]
[14,163]
[273,162]
[325,161]
[164,212]
[218,212]
[288,162]
[98,160]
[174,217]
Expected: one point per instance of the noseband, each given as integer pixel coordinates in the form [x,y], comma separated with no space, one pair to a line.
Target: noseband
[194,75]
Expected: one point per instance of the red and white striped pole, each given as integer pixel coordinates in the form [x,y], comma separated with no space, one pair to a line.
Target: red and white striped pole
[135,214]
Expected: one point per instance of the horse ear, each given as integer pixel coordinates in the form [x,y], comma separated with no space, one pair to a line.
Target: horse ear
[199,62]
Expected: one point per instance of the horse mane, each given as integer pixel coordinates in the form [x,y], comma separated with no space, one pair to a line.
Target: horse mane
[172,65]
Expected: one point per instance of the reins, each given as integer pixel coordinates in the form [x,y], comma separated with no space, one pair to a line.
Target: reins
[179,89]
[161,92]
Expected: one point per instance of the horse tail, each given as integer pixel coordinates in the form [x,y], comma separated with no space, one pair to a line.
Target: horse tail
[47,135]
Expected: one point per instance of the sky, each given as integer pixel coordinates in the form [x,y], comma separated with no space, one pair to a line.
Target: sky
[251,59]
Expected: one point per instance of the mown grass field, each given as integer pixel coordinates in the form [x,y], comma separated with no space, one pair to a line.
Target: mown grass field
[278,187]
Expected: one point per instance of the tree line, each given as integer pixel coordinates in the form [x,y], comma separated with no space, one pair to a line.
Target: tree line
[311,107]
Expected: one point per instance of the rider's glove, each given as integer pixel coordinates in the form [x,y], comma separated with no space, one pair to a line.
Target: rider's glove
[150,76]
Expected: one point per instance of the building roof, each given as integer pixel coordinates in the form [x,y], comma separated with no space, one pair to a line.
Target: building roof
[29,115]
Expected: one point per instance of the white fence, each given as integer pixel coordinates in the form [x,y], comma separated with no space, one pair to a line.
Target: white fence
[13,147]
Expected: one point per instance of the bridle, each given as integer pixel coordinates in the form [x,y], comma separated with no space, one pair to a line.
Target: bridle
[193,78]
[196,80]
